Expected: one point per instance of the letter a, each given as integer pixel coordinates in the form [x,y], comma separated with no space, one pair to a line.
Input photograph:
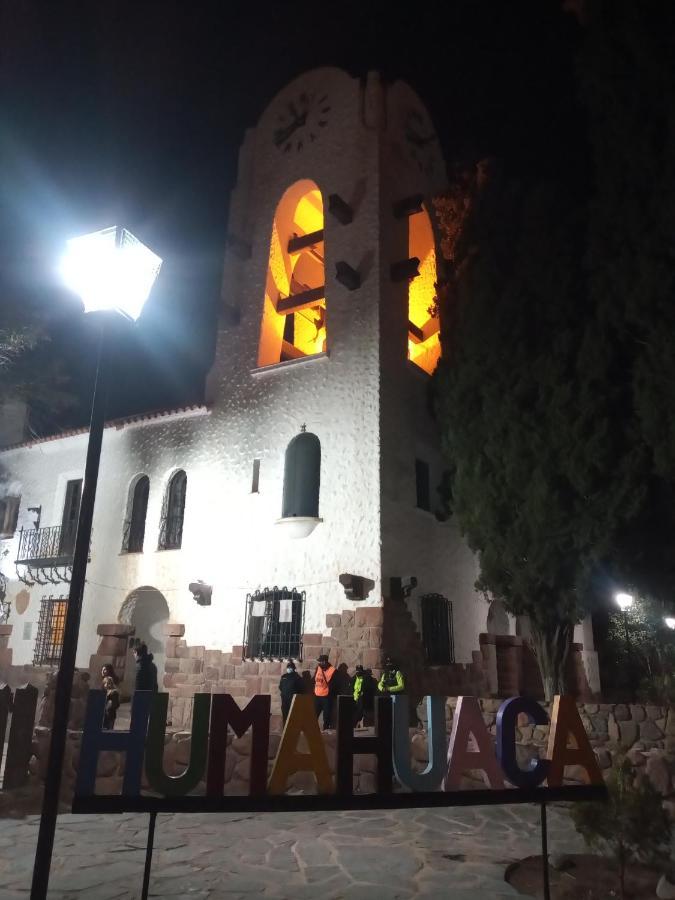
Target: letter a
[468,721]
[566,723]
[301,720]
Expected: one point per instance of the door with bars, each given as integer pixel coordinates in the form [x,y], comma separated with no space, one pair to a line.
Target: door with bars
[437,631]
[50,630]
[274,624]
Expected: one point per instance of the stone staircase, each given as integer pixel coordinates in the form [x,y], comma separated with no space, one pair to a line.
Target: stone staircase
[362,636]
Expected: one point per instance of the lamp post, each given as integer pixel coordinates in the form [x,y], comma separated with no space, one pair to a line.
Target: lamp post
[624,602]
[111,271]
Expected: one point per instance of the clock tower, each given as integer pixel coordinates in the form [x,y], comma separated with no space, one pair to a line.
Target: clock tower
[326,459]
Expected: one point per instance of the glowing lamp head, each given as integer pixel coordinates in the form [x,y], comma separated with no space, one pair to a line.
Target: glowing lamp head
[670,622]
[624,601]
[110,269]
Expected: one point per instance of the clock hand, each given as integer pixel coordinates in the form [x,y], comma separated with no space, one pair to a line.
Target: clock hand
[282,134]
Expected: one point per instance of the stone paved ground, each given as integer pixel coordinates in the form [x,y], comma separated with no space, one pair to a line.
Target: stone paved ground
[461,854]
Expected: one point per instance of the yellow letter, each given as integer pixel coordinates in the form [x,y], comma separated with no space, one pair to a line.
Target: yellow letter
[301,720]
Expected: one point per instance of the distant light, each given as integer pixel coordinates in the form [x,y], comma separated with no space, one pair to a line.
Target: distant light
[670,622]
[110,269]
[625,601]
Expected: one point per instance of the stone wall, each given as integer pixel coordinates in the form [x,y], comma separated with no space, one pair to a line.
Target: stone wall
[363,636]
[645,734]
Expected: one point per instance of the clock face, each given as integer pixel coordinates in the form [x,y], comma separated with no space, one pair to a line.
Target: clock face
[300,121]
[420,139]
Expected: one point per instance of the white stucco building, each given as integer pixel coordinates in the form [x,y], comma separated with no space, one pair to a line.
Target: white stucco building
[323,327]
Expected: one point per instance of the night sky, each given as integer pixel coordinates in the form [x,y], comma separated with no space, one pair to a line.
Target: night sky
[133,112]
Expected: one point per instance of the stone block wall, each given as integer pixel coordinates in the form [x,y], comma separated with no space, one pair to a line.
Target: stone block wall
[363,636]
[645,734]
[113,649]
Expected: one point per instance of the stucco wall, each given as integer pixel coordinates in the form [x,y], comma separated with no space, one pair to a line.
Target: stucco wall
[362,398]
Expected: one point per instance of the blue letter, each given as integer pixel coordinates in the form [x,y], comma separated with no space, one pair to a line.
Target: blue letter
[507,718]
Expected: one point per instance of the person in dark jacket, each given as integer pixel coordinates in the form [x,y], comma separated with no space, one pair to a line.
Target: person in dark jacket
[112,702]
[290,684]
[146,670]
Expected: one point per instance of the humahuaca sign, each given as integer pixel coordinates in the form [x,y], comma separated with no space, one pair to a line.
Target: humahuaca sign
[470,747]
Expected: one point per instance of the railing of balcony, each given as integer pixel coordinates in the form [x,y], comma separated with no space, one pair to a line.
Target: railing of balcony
[47,546]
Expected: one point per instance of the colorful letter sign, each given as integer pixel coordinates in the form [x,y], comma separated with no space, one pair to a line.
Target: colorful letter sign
[302,748]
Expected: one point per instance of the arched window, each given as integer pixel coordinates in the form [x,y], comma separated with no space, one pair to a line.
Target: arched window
[424,346]
[302,476]
[171,527]
[134,526]
[294,313]
[437,629]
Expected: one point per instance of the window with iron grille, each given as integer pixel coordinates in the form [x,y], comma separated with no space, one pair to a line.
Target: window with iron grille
[134,527]
[171,526]
[9,511]
[437,633]
[275,621]
[51,626]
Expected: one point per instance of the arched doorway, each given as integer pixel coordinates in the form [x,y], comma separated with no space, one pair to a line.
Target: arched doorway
[147,610]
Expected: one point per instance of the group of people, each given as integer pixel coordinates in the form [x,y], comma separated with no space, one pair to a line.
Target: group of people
[327,685]
[146,680]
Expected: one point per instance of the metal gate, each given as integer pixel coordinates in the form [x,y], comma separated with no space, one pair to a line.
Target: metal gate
[274,623]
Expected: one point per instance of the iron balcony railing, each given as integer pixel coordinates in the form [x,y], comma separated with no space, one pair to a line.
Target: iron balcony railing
[43,547]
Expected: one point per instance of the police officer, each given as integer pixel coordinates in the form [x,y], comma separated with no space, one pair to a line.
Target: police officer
[392,680]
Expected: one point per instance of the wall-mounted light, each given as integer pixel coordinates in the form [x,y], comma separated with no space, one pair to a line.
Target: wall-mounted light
[201,592]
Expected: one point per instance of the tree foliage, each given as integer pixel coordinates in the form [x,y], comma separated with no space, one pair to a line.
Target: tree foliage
[556,391]
[30,370]
[632,826]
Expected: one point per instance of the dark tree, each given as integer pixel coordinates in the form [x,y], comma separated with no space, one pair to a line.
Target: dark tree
[544,473]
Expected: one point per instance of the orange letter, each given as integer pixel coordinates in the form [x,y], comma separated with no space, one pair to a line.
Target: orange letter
[301,720]
[566,723]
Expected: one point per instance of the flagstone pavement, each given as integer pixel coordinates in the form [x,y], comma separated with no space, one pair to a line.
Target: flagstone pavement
[456,853]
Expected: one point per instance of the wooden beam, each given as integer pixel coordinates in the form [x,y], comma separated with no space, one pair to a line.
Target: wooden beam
[415,333]
[347,276]
[300,241]
[288,351]
[296,302]
[340,209]
[405,269]
[419,335]
[408,206]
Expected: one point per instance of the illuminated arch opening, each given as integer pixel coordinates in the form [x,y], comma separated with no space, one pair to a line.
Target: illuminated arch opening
[424,346]
[294,314]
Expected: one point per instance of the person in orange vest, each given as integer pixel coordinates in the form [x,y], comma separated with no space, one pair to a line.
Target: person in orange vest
[323,693]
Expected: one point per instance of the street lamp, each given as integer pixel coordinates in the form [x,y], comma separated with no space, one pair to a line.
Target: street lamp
[624,602]
[111,270]
[670,622]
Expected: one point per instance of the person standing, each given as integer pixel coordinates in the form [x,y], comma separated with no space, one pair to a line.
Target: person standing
[112,702]
[358,693]
[392,680]
[146,670]
[290,684]
[323,693]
